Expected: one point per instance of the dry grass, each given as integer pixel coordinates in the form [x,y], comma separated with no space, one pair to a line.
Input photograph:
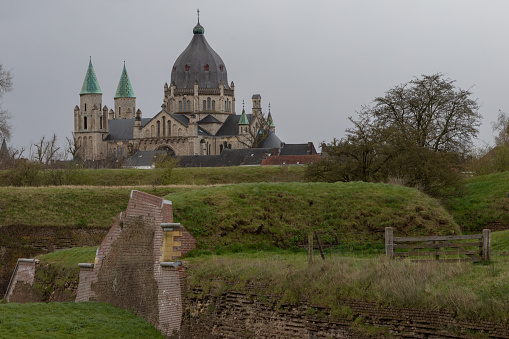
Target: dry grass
[471,291]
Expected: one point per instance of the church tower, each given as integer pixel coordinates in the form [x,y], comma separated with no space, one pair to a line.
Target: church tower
[90,122]
[125,100]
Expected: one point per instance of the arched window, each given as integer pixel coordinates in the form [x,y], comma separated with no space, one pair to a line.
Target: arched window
[187,67]
[208,104]
[174,130]
[221,67]
[220,148]
[180,106]
[188,105]
[204,105]
[158,128]
[213,105]
[84,122]
[180,132]
[101,122]
[85,108]
[147,133]
[152,131]
[119,111]
[207,67]
[164,126]
[169,128]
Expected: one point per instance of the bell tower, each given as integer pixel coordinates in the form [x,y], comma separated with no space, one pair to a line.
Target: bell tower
[90,123]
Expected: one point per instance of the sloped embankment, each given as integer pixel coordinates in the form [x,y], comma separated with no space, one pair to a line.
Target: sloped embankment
[282,214]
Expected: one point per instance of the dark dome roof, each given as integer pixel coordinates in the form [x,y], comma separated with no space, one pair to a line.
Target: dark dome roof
[199,62]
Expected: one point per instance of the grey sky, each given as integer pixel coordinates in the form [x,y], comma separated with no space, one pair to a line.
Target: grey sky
[316,62]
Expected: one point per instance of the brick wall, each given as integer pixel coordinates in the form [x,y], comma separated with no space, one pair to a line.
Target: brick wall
[127,271]
[248,315]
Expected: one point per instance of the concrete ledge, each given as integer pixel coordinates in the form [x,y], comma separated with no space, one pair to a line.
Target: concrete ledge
[26,260]
[169,226]
[173,264]
[85,265]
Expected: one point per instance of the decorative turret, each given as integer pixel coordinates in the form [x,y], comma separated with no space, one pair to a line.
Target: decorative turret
[104,119]
[125,100]
[270,122]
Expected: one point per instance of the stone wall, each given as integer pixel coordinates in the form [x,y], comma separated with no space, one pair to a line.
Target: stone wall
[249,315]
[20,288]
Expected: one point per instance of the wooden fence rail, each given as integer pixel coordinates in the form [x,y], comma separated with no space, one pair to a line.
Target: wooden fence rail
[453,247]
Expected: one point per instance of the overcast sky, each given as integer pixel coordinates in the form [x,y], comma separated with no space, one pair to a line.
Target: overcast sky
[316,62]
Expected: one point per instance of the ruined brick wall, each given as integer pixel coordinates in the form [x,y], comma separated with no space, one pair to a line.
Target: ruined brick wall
[129,271]
[19,241]
[248,315]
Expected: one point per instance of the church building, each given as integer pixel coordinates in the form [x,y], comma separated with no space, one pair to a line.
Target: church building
[197,116]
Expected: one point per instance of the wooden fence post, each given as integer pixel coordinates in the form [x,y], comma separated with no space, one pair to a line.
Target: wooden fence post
[486,244]
[389,242]
[319,246]
[310,248]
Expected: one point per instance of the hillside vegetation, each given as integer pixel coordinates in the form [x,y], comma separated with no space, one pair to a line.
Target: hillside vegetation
[282,214]
[485,203]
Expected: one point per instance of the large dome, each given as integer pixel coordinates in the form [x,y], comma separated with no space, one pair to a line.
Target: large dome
[199,62]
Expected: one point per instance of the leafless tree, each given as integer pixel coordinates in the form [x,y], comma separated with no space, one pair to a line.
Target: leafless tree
[71,147]
[46,150]
[5,116]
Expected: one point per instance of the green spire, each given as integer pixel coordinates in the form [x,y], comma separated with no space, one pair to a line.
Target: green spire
[90,84]
[243,118]
[269,121]
[124,88]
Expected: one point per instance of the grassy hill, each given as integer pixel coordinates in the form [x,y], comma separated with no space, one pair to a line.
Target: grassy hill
[63,206]
[282,214]
[485,203]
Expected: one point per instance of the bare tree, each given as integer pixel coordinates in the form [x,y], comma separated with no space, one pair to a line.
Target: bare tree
[46,150]
[71,147]
[5,116]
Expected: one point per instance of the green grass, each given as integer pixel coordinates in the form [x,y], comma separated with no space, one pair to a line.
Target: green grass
[180,176]
[485,203]
[265,215]
[69,258]
[72,320]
